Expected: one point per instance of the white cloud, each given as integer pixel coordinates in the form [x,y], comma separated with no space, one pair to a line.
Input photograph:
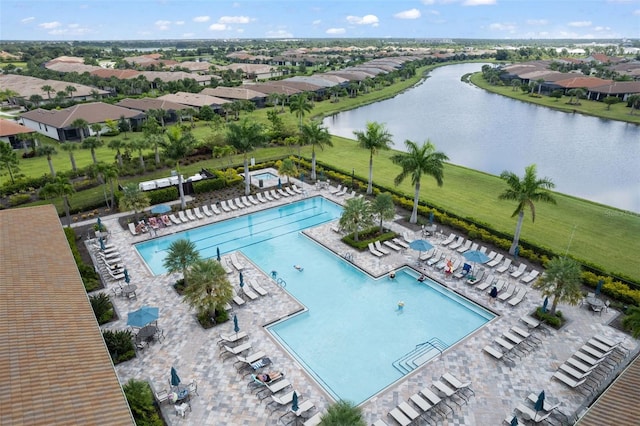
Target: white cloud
[428,2]
[364,20]
[408,14]
[73,25]
[27,20]
[162,25]
[336,31]
[478,2]
[218,27]
[580,24]
[636,12]
[602,29]
[179,22]
[503,26]
[203,18]
[50,25]
[233,20]
[279,34]
[188,35]
[317,22]
[432,12]
[537,21]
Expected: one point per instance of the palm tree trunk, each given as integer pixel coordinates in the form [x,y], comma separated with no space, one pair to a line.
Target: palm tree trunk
[93,156]
[53,172]
[157,155]
[313,164]
[183,202]
[119,156]
[141,160]
[554,305]
[112,195]
[416,197]
[516,237]
[73,162]
[247,190]
[65,199]
[370,184]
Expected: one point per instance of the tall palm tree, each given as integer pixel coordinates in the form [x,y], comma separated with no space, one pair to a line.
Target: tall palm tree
[91,144]
[356,216]
[383,207]
[70,90]
[60,187]
[576,93]
[80,124]
[177,147]
[48,150]
[634,103]
[287,168]
[245,137]
[8,159]
[97,129]
[108,173]
[314,134]
[181,254]
[117,145]
[48,89]
[70,147]
[154,134]
[526,192]
[374,138]
[133,198]
[209,290]
[417,161]
[300,105]
[140,144]
[562,280]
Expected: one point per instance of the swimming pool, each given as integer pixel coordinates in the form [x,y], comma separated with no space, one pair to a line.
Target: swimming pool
[353,331]
[264,176]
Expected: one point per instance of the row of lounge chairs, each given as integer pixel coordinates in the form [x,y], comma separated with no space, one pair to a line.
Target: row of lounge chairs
[376,248]
[507,292]
[341,191]
[529,413]
[516,342]
[109,262]
[427,402]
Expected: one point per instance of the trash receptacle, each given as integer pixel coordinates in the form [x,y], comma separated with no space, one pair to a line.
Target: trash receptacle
[260,183]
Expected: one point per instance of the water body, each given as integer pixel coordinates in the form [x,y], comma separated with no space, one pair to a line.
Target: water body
[586,157]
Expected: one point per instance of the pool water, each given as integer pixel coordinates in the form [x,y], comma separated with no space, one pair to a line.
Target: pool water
[353,330]
[264,176]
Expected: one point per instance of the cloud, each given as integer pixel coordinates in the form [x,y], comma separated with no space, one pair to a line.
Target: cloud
[428,2]
[336,31]
[317,22]
[537,22]
[218,27]
[162,25]
[27,20]
[580,24]
[50,25]
[279,34]
[233,20]
[602,29]
[408,14]
[478,2]
[201,19]
[179,22]
[364,20]
[503,26]
[188,35]
[636,12]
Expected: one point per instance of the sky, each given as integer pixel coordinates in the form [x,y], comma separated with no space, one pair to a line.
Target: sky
[220,19]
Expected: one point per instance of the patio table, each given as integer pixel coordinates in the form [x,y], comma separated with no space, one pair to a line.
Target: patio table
[594,301]
[128,290]
[147,332]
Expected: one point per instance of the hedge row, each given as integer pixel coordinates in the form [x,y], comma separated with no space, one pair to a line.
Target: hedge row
[89,276]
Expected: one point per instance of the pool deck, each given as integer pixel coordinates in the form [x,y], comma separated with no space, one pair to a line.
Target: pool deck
[226,399]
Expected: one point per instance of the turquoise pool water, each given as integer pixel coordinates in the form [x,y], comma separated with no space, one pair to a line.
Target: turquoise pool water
[264,176]
[353,331]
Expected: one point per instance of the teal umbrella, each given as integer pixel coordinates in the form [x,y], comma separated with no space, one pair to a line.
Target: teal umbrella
[102,247]
[142,316]
[539,406]
[279,183]
[160,209]
[175,379]
[545,303]
[241,280]
[431,218]
[127,279]
[218,254]
[599,287]
[236,327]
[514,421]
[294,403]
[99,224]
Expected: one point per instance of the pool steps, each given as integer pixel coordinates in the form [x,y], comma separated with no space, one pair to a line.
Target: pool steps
[422,353]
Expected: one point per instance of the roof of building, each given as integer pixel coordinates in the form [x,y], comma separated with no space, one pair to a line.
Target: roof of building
[94,112]
[195,66]
[618,88]
[174,76]
[145,104]
[241,93]
[66,67]
[316,80]
[194,99]
[117,73]
[56,367]
[579,82]
[27,86]
[273,87]
[10,128]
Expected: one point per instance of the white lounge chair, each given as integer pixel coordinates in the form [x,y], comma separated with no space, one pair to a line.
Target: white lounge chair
[225,206]
[206,211]
[519,297]
[247,361]
[198,213]
[400,417]
[335,190]
[449,240]
[465,247]
[245,201]
[214,209]
[532,275]
[257,287]
[236,202]
[280,401]
[190,214]
[253,200]
[379,247]
[267,196]
[236,350]
[531,414]
[507,293]
[435,258]
[391,245]
[458,243]
[236,262]
[248,292]
[475,278]
[296,189]
[426,255]
[132,228]
[486,283]
[374,252]
[401,243]
[496,261]
[520,271]
[231,338]
[183,217]
[283,193]
[504,267]
[289,190]
[274,194]
[343,192]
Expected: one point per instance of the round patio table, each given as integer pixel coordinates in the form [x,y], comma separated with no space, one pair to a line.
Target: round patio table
[594,301]
[147,332]
[129,289]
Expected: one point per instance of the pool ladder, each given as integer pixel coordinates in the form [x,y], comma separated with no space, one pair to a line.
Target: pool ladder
[281,282]
[348,256]
[422,353]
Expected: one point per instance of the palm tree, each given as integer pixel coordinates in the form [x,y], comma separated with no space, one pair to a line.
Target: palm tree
[245,137]
[107,173]
[300,105]
[60,187]
[374,138]
[140,144]
[80,124]
[35,100]
[357,215]
[209,290]
[178,146]
[153,132]
[526,192]
[287,168]
[634,103]
[417,161]
[576,93]
[343,413]
[181,254]
[48,89]
[133,198]
[314,134]
[117,145]
[8,159]
[97,129]
[383,207]
[70,147]
[562,280]
[70,90]
[631,321]
[92,143]
[48,150]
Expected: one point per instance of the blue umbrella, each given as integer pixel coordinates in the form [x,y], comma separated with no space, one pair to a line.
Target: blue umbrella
[539,403]
[241,280]
[102,247]
[127,279]
[475,256]
[545,303]
[431,218]
[218,254]
[99,224]
[142,316]
[160,209]
[236,327]
[420,245]
[175,379]
[599,287]
[279,184]
[514,421]
[294,403]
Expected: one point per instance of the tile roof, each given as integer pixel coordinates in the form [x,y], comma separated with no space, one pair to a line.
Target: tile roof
[618,88]
[26,86]
[56,368]
[580,82]
[10,128]
[233,93]
[145,104]
[193,99]
[119,74]
[94,112]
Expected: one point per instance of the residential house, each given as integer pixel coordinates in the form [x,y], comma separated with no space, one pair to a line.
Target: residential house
[195,100]
[9,131]
[241,93]
[146,104]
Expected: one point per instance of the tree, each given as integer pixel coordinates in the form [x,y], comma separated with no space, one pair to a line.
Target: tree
[80,124]
[300,105]
[562,280]
[117,145]
[343,413]
[383,207]
[287,168]
[540,82]
[141,402]
[577,94]
[140,144]
[124,126]
[48,150]
[526,192]
[8,159]
[357,215]
[178,146]
[153,132]
[97,129]
[515,84]
[634,103]
[611,100]
[374,138]
[245,137]
[206,113]
[70,90]
[60,187]
[133,198]
[314,134]
[181,254]
[48,89]
[222,151]
[631,321]
[91,144]
[209,290]
[417,161]
[108,173]
[70,147]
[35,100]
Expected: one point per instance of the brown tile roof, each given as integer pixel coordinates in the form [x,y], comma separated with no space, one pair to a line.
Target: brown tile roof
[579,82]
[618,88]
[193,99]
[10,128]
[145,104]
[119,74]
[27,86]
[56,368]
[242,93]
[618,404]
[94,112]
[273,87]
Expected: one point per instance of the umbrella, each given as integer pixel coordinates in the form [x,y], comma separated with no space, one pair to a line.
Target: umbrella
[175,379]
[218,253]
[539,403]
[302,177]
[420,245]
[545,303]
[127,279]
[599,287]
[241,280]
[431,218]
[475,256]
[102,247]
[294,402]
[99,224]
[160,208]
[279,184]
[142,316]
[514,421]
[236,327]
[516,252]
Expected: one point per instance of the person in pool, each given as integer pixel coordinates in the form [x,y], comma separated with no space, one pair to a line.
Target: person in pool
[298,267]
[422,278]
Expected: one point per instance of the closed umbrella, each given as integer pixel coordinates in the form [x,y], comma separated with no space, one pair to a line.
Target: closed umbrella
[236,327]
[514,421]
[175,379]
[241,280]
[420,245]
[102,247]
[431,218]
[127,279]
[279,184]
[294,402]
[142,316]
[545,303]
[539,406]
[99,224]
[218,254]
[599,287]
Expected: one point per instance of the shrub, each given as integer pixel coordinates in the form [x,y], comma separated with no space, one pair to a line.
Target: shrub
[209,185]
[367,236]
[17,199]
[120,345]
[163,195]
[90,277]
[102,308]
[554,321]
[141,402]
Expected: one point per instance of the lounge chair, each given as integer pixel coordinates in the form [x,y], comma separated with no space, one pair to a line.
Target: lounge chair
[457,244]
[206,211]
[245,201]
[314,420]
[433,399]
[391,245]
[236,262]
[226,207]
[273,387]
[214,208]
[343,192]
[520,271]
[274,194]
[533,397]
[280,401]
[435,258]
[267,196]
[166,220]
[153,222]
[226,339]
[282,193]
[238,300]
[532,275]
[572,372]
[465,247]
[132,229]
[296,189]
[466,269]
[374,252]
[507,293]
[183,217]
[175,219]
[236,203]
[190,215]
[352,195]
[379,247]
[449,239]
[530,414]
[198,213]
[401,243]
[110,255]
[530,321]
[248,292]
[304,407]
[474,279]
[519,297]
[457,384]
[492,255]
[335,190]
[407,238]
[260,198]
[421,403]
[497,354]
[253,200]
[426,255]
[486,283]
[496,261]
[236,350]
[225,265]
[257,287]
[249,360]
[289,190]
[444,389]
[504,267]
[400,417]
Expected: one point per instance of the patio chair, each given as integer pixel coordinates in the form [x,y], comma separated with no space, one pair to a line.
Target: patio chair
[449,239]
[175,219]
[391,245]
[379,247]
[236,262]
[283,193]
[496,261]
[193,388]
[313,420]
[486,283]
[457,384]
[448,392]
[190,215]
[519,297]
[267,196]
[161,397]
[183,217]
[474,279]
[132,229]
[253,200]
[400,417]
[243,362]
[426,255]
[290,191]
[435,258]
[343,192]
[373,251]
[507,293]
[274,194]
[235,203]
[280,401]
[231,338]
[457,244]
[530,414]
[401,243]
[228,351]
[257,287]
[532,275]
[302,409]
[335,190]
[519,271]
[465,247]
[504,267]
[245,201]
[248,292]
[466,269]
[206,211]
[408,411]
